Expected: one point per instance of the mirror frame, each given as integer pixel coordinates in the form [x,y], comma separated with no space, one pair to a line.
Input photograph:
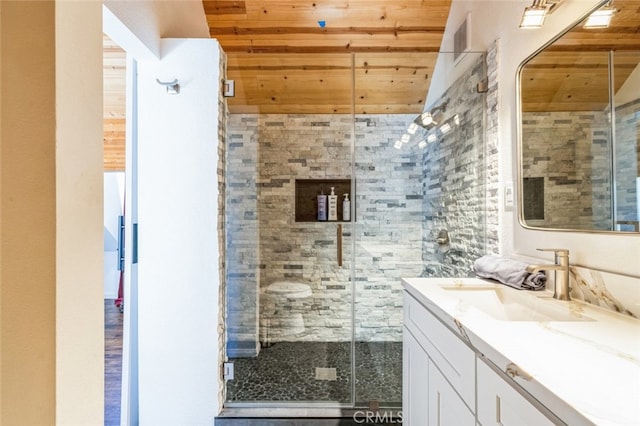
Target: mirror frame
[519,142]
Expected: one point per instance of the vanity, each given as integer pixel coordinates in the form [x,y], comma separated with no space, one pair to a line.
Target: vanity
[478,352]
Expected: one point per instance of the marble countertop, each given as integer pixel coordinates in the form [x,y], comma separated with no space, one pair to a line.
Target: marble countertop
[585,370]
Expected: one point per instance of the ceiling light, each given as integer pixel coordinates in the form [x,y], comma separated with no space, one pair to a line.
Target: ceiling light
[600,18]
[445,128]
[533,16]
[431,138]
[413,127]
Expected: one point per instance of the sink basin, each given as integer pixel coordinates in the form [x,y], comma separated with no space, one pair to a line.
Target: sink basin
[507,304]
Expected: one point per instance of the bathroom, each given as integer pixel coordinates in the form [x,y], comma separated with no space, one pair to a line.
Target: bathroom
[488,135]
[176,268]
[427,207]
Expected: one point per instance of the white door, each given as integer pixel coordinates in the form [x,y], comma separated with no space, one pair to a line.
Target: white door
[113,211]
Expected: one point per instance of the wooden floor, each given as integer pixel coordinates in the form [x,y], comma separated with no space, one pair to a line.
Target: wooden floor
[112,363]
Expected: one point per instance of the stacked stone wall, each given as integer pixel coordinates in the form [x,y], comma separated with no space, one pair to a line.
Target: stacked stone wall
[570,151]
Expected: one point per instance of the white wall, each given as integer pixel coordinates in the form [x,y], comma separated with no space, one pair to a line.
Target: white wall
[152,20]
[51,325]
[499,20]
[178,241]
[113,209]
[79,233]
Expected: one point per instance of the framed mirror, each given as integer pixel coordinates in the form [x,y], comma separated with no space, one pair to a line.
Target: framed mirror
[579,126]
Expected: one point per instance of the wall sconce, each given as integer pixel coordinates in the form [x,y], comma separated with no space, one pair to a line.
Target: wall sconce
[173,88]
[445,128]
[533,16]
[427,118]
[601,18]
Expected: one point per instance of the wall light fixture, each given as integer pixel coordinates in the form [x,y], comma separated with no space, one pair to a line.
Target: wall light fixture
[601,18]
[533,16]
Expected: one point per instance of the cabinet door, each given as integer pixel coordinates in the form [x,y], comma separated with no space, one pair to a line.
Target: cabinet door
[445,405]
[500,404]
[415,376]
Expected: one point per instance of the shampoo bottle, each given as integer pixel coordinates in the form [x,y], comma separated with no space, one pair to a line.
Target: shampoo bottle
[333,205]
[322,207]
[346,208]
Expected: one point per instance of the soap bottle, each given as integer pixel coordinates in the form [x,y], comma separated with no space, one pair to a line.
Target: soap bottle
[333,204]
[346,208]
[322,206]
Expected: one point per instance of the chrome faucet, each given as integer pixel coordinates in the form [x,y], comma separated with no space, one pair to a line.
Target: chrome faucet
[561,267]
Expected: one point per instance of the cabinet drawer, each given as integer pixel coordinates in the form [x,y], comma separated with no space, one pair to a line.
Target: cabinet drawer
[500,404]
[451,355]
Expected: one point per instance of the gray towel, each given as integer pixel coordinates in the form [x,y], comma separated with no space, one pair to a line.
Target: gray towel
[510,272]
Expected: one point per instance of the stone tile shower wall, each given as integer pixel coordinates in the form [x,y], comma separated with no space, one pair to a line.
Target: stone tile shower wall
[453,180]
[570,151]
[223,118]
[266,153]
[627,161]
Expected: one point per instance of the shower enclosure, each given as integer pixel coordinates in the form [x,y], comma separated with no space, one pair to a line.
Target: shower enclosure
[314,308]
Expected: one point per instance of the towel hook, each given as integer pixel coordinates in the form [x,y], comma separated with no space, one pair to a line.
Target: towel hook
[173,88]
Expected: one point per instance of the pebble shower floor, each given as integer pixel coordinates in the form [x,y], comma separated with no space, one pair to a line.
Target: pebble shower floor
[286,372]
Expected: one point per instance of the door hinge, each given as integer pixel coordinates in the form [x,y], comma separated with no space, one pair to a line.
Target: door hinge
[227,371]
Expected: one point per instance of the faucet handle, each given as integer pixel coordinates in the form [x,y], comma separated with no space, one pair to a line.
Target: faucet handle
[559,252]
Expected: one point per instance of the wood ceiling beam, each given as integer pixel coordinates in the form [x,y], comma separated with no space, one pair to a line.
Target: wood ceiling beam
[239,31]
[282,49]
[215,7]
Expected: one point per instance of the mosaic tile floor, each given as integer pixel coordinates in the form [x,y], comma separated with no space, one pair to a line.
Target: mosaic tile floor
[287,371]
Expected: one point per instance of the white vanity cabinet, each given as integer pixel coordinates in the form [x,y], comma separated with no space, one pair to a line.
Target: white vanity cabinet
[446,383]
[445,406]
[415,365]
[438,371]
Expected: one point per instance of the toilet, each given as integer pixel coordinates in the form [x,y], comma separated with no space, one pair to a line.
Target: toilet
[284,302]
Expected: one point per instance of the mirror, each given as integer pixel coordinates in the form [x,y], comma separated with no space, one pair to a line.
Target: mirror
[579,128]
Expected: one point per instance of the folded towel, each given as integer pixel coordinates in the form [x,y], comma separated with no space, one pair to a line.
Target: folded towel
[510,272]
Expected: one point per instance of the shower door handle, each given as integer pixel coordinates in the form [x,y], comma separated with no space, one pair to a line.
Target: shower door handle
[339,244]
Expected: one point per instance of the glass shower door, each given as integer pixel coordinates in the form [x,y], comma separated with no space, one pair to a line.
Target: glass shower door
[288,274]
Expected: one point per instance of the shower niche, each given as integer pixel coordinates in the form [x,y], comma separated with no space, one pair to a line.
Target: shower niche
[307,191]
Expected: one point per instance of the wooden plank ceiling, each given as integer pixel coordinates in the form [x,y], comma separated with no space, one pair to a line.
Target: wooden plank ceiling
[295,56]
[114,80]
[573,73]
[284,61]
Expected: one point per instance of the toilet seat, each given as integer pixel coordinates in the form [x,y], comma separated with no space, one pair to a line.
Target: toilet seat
[292,290]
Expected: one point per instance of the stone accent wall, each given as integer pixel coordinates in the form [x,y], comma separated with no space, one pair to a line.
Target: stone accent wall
[403,197]
[453,173]
[266,153]
[388,230]
[242,234]
[570,150]
[492,145]
[627,161]
[223,118]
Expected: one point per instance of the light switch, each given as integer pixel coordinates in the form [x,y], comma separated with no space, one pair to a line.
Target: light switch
[508,195]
